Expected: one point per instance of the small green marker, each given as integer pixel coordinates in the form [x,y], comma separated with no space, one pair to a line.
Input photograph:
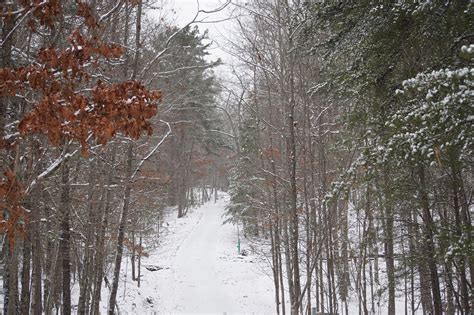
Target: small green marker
[238,240]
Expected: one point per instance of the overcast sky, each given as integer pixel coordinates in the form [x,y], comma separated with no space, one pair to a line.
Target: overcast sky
[219,24]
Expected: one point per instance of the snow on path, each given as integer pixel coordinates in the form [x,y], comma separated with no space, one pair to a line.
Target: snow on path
[202,271]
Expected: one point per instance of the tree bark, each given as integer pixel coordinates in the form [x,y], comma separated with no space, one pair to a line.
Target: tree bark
[121,231]
[100,239]
[128,178]
[65,240]
[389,260]
[85,281]
[429,249]
[36,305]
[25,272]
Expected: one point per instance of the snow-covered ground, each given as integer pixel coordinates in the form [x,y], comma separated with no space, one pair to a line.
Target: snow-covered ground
[202,271]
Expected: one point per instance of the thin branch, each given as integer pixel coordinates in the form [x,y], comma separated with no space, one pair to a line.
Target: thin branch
[168,41]
[152,151]
[165,74]
[222,133]
[21,22]
[115,8]
[63,157]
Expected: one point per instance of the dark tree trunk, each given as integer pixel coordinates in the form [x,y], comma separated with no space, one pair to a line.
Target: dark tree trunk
[429,248]
[100,241]
[25,273]
[85,281]
[389,260]
[36,305]
[65,240]
[121,232]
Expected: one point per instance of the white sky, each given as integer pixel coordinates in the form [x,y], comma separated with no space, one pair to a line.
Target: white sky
[219,24]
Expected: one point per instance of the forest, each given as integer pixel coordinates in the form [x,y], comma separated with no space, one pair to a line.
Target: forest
[342,135]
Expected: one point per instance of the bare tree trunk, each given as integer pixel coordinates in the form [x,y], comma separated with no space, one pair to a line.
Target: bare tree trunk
[429,249]
[36,305]
[345,258]
[121,231]
[5,57]
[321,286]
[275,237]
[128,178]
[139,257]
[275,267]
[289,270]
[461,219]
[450,309]
[389,260]
[65,240]
[25,272]
[132,258]
[5,61]
[309,246]
[423,272]
[291,151]
[100,240]
[53,271]
[13,302]
[181,180]
[85,281]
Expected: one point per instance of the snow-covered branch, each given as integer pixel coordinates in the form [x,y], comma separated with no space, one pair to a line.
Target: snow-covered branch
[51,168]
[140,164]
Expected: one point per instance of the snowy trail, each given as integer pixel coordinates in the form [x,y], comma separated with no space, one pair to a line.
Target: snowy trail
[202,271]
[200,276]
[208,274]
